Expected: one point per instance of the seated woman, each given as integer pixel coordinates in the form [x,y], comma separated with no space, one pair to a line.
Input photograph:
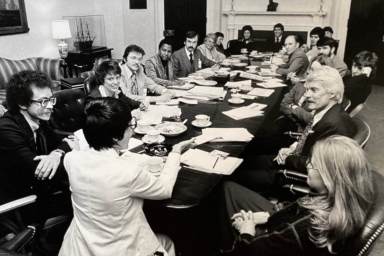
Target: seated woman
[316,224]
[108,189]
[359,86]
[209,50]
[106,83]
[245,42]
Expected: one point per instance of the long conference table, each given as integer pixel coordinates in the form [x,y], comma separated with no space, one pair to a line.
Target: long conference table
[192,185]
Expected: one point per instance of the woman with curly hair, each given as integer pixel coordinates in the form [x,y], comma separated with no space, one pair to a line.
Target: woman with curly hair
[317,224]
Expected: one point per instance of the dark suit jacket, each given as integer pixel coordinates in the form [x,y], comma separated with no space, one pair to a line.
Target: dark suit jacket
[182,66]
[272,46]
[133,104]
[357,89]
[17,150]
[297,63]
[235,46]
[335,122]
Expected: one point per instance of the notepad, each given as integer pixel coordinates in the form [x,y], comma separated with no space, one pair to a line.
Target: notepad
[252,110]
[261,92]
[224,135]
[210,163]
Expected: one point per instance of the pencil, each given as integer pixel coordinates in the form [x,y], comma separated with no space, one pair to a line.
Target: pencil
[217,159]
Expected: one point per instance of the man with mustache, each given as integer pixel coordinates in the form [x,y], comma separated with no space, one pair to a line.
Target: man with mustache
[189,59]
[327,50]
[30,153]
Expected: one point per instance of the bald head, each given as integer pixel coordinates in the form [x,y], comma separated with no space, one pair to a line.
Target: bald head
[291,44]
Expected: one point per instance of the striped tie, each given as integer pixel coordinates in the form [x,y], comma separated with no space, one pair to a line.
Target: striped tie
[303,138]
[134,87]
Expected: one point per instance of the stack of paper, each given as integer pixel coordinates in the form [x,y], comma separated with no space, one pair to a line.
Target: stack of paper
[261,92]
[224,135]
[271,84]
[207,91]
[238,84]
[210,163]
[247,75]
[252,110]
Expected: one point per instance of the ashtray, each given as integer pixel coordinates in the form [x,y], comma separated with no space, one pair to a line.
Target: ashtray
[157,149]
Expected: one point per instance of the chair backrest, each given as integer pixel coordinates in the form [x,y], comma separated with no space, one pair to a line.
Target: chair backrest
[356,110]
[69,110]
[363,131]
[362,242]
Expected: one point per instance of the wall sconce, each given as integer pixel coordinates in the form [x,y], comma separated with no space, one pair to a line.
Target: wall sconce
[61,31]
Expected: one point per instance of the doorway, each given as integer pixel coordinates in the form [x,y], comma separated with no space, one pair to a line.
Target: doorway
[366,32]
[184,15]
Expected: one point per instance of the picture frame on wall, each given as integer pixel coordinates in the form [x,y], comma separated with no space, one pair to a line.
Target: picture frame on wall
[13,18]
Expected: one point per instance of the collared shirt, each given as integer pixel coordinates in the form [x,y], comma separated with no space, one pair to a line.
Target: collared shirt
[319,115]
[189,53]
[278,39]
[32,123]
[142,82]
[103,92]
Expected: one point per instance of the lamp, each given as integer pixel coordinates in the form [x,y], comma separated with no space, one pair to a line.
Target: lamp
[61,31]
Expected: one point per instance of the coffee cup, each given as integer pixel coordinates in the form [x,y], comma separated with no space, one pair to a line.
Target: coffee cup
[153,135]
[202,119]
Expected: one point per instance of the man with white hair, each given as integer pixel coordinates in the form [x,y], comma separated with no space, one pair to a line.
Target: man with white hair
[324,93]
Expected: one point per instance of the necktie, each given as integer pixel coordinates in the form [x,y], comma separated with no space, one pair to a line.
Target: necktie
[134,87]
[41,143]
[303,138]
[190,58]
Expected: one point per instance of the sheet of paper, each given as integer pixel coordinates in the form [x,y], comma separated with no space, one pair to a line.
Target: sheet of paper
[271,84]
[204,161]
[247,75]
[227,134]
[208,91]
[261,92]
[252,110]
[238,84]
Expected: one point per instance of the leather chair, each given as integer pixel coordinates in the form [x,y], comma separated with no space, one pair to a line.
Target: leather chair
[356,110]
[68,113]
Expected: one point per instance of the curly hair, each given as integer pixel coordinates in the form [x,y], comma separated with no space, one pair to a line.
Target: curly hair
[19,91]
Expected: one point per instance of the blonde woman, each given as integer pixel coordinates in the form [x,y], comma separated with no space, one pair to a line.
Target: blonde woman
[317,224]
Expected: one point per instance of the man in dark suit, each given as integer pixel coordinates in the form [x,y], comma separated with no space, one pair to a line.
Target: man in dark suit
[324,93]
[297,60]
[276,42]
[189,59]
[30,153]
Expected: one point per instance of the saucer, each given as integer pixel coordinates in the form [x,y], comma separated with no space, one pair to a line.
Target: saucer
[236,100]
[142,131]
[201,125]
[146,139]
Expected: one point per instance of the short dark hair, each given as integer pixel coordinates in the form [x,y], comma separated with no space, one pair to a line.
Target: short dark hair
[317,31]
[19,91]
[102,70]
[166,40]
[278,25]
[106,120]
[366,59]
[327,41]
[133,48]
[298,39]
[219,34]
[191,34]
[328,28]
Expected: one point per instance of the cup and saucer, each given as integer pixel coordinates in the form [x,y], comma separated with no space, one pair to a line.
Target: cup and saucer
[153,137]
[201,121]
[236,99]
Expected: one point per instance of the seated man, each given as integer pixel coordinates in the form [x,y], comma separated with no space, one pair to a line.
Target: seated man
[189,59]
[324,93]
[160,67]
[316,34]
[327,50]
[135,83]
[328,31]
[208,49]
[30,153]
[244,43]
[359,86]
[276,42]
[297,60]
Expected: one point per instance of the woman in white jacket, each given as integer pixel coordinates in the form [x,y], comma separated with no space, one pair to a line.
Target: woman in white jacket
[108,189]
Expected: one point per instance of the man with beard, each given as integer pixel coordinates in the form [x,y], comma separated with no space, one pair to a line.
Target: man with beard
[189,59]
[30,152]
[297,60]
[327,50]
[160,66]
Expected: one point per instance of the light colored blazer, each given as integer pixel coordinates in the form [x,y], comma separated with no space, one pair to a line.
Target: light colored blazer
[182,66]
[108,191]
[144,83]
[213,54]
[155,70]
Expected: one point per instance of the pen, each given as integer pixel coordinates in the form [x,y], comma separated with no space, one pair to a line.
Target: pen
[217,159]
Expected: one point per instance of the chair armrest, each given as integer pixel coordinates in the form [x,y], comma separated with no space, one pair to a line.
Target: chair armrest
[20,240]
[294,174]
[17,203]
[296,189]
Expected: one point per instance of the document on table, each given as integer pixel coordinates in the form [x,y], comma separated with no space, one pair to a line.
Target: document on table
[251,76]
[238,84]
[252,110]
[271,84]
[261,92]
[207,91]
[224,135]
[156,112]
[210,163]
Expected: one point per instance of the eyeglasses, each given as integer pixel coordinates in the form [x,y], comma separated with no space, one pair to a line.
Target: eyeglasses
[44,102]
[133,123]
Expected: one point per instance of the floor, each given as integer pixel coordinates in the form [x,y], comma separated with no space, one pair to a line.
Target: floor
[373,114]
